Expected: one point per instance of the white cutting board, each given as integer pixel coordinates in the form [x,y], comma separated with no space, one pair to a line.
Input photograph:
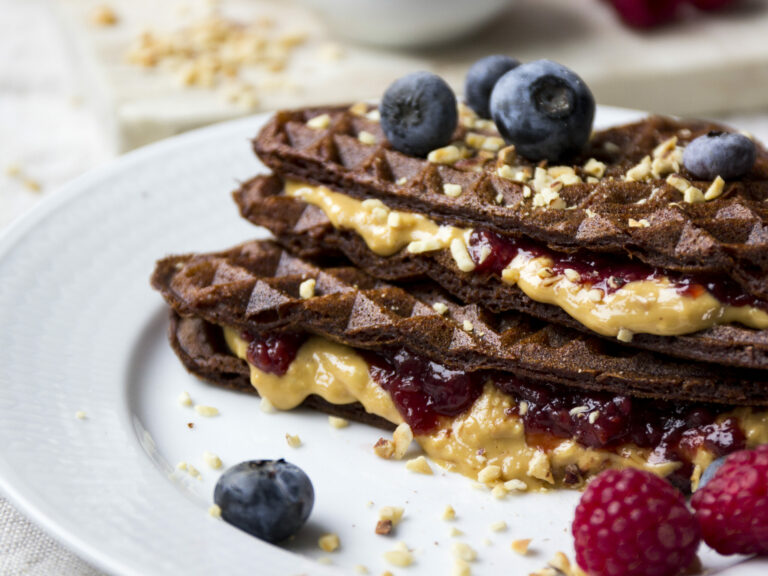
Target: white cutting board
[702,65]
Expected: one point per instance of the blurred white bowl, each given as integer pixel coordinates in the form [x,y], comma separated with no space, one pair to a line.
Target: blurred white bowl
[406,23]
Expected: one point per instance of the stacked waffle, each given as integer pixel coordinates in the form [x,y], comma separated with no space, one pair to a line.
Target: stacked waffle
[530,322]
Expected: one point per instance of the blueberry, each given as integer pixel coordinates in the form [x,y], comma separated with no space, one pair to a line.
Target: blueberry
[723,154]
[270,499]
[481,79]
[418,113]
[544,109]
[710,471]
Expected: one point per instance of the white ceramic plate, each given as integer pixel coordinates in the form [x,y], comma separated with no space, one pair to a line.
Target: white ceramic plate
[83,331]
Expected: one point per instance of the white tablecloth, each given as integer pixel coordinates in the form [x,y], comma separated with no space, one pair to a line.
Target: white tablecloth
[49,135]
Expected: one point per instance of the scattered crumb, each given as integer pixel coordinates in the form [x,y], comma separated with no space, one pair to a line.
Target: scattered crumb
[499,526]
[384,448]
[31,185]
[369,504]
[194,472]
[399,556]
[337,422]
[190,425]
[455,532]
[419,465]
[182,466]
[12,170]
[80,415]
[521,546]
[331,52]
[449,513]
[212,460]
[360,569]
[206,411]
[215,511]
[392,513]
[293,440]
[487,542]
[329,542]
[499,491]
[383,527]
[460,568]
[103,16]
[324,560]
[463,551]
[185,399]
[307,288]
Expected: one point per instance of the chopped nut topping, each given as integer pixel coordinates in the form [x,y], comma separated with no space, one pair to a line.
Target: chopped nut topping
[212,460]
[194,472]
[383,527]
[320,122]
[185,399]
[455,532]
[293,440]
[545,272]
[467,326]
[594,168]
[214,511]
[539,467]
[399,556]
[515,485]
[593,416]
[624,335]
[463,551]
[527,191]
[394,220]
[32,185]
[449,513]
[693,195]
[337,422]
[522,407]
[401,181]
[374,115]
[572,275]
[103,16]
[324,560]
[589,213]
[392,513]
[445,155]
[266,406]
[452,190]
[359,108]
[207,411]
[678,182]
[80,415]
[329,542]
[492,144]
[402,437]
[307,288]
[419,465]
[460,568]
[642,223]
[576,410]
[595,294]
[12,170]
[640,172]
[521,546]
[499,526]
[461,255]
[182,466]
[507,155]
[440,308]
[384,448]
[420,246]
[715,189]
[360,569]
[489,474]
[474,140]
[366,138]
[510,275]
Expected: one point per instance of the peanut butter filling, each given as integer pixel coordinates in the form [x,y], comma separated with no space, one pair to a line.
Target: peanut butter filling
[487,435]
[651,306]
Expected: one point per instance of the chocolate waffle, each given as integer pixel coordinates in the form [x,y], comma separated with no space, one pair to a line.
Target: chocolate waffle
[306,231]
[256,289]
[725,236]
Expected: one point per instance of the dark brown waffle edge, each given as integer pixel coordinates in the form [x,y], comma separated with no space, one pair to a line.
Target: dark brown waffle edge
[724,236]
[305,231]
[255,287]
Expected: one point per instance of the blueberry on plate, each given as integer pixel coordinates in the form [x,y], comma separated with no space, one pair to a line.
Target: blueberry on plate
[544,109]
[481,79]
[418,113]
[710,471]
[270,499]
[723,154]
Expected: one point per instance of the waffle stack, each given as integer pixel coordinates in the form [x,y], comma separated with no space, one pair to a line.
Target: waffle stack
[475,293]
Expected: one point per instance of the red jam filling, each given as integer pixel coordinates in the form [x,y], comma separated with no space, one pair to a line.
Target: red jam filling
[423,391]
[600,271]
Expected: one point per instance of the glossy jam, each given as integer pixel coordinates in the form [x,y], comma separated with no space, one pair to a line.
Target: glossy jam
[273,352]
[604,272]
[672,431]
[423,390]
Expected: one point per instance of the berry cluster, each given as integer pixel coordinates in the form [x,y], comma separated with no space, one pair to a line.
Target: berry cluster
[650,13]
[633,523]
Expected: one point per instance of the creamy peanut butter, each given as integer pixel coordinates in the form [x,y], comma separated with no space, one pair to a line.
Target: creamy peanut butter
[647,307]
[487,435]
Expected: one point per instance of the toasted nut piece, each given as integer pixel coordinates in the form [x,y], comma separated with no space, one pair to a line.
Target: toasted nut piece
[400,556]
[521,546]
[212,460]
[307,288]
[320,122]
[366,138]
[445,155]
[402,437]
[392,513]
[329,542]
[207,411]
[337,422]
[463,551]
[419,465]
[715,189]
[383,527]
[293,440]
[452,190]
[449,513]
[384,448]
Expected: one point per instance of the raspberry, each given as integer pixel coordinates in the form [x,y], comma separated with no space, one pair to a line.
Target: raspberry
[646,13]
[733,507]
[633,523]
[711,4]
